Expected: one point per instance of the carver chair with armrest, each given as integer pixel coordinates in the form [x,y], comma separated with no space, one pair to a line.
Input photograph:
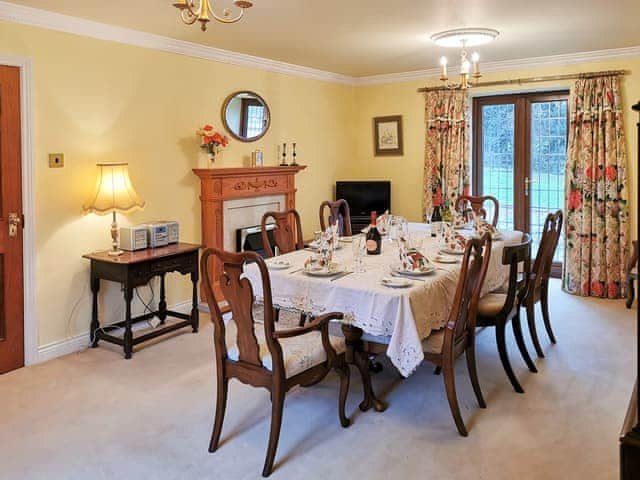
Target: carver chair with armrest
[496,309]
[338,214]
[263,356]
[631,274]
[443,347]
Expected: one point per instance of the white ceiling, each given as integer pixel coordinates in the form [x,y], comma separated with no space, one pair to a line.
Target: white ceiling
[369,37]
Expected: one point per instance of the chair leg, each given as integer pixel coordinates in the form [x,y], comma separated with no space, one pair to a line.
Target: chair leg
[473,374]
[448,376]
[517,332]
[344,374]
[221,406]
[277,405]
[544,304]
[631,293]
[504,357]
[276,314]
[531,319]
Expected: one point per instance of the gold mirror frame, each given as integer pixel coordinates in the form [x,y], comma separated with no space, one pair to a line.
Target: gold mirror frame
[238,137]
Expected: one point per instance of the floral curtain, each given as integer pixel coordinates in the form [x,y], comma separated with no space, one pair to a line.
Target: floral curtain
[596,191]
[446,164]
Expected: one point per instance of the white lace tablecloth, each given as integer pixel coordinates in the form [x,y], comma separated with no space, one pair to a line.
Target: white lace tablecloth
[401,317]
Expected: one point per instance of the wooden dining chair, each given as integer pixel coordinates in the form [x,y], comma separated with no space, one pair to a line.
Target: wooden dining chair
[538,284]
[263,356]
[631,274]
[287,235]
[444,346]
[338,213]
[496,309]
[468,204]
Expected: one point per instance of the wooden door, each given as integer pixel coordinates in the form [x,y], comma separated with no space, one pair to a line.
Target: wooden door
[11,276]
[520,146]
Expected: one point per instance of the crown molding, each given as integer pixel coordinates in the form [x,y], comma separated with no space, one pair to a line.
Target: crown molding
[507,65]
[88,28]
[102,31]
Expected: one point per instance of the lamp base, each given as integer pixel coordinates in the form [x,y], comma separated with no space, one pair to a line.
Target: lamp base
[115,253]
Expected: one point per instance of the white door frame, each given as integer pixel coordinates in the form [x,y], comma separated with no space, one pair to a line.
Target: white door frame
[28,205]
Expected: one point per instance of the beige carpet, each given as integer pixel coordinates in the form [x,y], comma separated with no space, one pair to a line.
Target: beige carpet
[93,415]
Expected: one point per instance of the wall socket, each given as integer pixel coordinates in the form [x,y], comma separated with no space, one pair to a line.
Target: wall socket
[56,160]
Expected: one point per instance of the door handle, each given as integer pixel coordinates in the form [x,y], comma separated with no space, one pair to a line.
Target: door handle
[527,181]
[14,223]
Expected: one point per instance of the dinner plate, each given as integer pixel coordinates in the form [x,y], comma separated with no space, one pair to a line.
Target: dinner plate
[333,269]
[279,264]
[314,246]
[397,269]
[451,252]
[445,259]
[395,282]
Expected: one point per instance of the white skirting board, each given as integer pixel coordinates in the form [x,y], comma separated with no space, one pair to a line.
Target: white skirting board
[81,342]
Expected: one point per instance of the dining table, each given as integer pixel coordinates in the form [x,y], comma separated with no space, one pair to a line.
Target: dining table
[399,318]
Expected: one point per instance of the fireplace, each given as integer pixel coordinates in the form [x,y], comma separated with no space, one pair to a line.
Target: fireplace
[224,192]
[249,239]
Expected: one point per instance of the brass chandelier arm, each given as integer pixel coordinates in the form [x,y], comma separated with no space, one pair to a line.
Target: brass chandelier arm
[225,18]
[192,11]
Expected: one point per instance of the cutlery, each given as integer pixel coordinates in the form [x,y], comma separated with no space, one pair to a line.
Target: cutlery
[338,277]
[397,275]
[296,271]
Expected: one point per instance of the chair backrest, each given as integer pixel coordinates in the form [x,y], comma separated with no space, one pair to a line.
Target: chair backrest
[633,259]
[547,249]
[476,204]
[287,235]
[238,293]
[338,213]
[518,257]
[462,318]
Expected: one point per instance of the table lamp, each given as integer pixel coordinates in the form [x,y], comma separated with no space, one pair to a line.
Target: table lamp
[113,193]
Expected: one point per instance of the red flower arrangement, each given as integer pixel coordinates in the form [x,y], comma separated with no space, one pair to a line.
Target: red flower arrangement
[212,140]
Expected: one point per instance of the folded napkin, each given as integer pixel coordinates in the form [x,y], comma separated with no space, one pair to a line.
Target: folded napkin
[458,219]
[452,240]
[410,258]
[481,226]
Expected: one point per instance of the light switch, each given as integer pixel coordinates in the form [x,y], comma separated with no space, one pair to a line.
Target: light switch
[56,160]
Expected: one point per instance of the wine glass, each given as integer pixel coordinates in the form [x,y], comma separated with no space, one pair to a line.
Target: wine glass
[357,247]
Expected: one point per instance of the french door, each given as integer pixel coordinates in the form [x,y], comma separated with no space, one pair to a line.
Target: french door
[11,286]
[519,156]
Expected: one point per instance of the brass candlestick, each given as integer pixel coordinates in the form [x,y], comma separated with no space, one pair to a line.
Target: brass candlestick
[294,163]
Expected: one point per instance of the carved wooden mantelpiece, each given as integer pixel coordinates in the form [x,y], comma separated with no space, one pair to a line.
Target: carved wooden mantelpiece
[220,184]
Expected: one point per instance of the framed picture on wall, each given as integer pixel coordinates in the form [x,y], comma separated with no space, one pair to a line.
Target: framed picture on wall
[387,136]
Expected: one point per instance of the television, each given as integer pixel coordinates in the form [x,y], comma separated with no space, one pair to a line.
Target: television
[364,197]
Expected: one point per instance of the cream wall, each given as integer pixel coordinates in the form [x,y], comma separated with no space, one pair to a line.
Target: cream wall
[406,173]
[101,101]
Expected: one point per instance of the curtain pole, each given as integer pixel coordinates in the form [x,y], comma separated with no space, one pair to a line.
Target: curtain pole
[520,81]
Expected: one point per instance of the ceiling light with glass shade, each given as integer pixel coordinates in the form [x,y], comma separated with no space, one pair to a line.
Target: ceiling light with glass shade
[464,38]
[192,11]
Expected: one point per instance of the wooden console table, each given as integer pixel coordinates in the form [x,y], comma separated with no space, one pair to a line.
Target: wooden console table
[134,269]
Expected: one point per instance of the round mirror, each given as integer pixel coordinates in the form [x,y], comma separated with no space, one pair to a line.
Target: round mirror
[246,116]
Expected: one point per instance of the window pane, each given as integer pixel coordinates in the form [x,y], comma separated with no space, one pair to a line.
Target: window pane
[498,130]
[548,157]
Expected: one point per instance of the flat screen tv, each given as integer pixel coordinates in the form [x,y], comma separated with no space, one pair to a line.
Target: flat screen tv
[364,197]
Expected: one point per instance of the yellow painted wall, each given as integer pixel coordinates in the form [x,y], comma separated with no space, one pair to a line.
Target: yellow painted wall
[401,98]
[103,101]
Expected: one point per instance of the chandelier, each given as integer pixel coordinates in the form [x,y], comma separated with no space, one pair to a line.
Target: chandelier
[464,38]
[202,11]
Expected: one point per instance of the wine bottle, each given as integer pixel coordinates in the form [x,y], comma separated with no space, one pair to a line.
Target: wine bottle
[374,239]
[436,221]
